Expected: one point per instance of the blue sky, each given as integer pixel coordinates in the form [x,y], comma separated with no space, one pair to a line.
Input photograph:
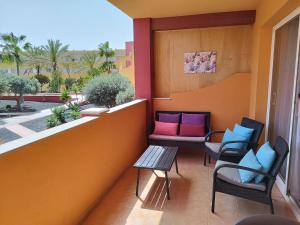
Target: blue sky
[83,24]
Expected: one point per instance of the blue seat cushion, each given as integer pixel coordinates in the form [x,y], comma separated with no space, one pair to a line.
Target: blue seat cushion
[231,136]
[266,157]
[250,161]
[244,132]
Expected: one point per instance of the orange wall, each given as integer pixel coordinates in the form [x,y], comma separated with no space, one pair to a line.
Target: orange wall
[228,100]
[55,181]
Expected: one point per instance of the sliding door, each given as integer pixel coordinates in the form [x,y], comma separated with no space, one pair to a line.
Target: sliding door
[283,79]
[294,182]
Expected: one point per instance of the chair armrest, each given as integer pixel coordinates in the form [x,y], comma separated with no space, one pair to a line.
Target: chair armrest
[242,168]
[222,150]
[211,133]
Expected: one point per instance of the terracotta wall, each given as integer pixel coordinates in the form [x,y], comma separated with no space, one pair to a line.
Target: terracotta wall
[232,44]
[228,100]
[58,179]
[226,94]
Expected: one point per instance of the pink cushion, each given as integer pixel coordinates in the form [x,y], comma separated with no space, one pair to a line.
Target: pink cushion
[191,130]
[165,128]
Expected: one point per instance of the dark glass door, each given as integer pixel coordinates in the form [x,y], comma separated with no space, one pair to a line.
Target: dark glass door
[284,64]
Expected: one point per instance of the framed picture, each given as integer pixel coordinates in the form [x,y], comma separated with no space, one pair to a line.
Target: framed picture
[200,62]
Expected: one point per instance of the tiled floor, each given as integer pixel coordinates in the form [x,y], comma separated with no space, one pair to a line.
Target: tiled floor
[190,199]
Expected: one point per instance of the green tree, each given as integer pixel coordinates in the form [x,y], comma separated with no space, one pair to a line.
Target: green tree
[11,49]
[42,79]
[55,51]
[34,57]
[56,82]
[3,82]
[20,85]
[89,59]
[69,82]
[107,53]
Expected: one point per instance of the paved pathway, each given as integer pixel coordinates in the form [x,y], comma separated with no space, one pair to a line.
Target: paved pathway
[15,125]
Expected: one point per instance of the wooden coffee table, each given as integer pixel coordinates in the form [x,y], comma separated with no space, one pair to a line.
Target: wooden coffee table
[157,158]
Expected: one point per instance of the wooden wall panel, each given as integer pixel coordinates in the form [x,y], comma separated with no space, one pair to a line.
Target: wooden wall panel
[233,56]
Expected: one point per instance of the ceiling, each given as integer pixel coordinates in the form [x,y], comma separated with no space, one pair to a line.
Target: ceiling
[169,8]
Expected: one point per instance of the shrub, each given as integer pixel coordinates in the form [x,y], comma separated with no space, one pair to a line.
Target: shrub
[52,121]
[75,107]
[69,83]
[22,85]
[56,82]
[75,115]
[3,82]
[60,114]
[125,96]
[8,107]
[42,79]
[102,90]
[65,96]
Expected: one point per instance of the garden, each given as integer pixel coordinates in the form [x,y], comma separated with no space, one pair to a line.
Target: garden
[39,71]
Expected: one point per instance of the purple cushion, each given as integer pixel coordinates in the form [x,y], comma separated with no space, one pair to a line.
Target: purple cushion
[196,119]
[168,118]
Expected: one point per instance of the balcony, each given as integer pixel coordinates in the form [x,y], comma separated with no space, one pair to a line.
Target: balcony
[82,172]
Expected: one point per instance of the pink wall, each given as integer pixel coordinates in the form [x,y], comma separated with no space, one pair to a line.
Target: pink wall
[143,61]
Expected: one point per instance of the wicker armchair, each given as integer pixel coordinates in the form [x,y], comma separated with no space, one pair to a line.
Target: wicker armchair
[218,151]
[226,178]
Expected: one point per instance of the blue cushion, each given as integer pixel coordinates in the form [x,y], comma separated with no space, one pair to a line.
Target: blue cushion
[266,157]
[249,160]
[230,136]
[244,132]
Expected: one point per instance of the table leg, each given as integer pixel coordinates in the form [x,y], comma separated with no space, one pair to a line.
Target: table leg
[176,164]
[137,183]
[167,185]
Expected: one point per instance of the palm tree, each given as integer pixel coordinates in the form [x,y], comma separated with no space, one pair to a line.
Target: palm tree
[106,52]
[34,57]
[55,50]
[89,59]
[12,48]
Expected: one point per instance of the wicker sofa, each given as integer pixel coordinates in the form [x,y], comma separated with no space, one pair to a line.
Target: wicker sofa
[181,141]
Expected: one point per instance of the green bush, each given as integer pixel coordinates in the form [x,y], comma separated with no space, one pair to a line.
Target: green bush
[69,82]
[125,96]
[42,79]
[75,115]
[60,114]
[56,82]
[65,96]
[22,85]
[103,90]
[52,121]
[75,107]
[3,82]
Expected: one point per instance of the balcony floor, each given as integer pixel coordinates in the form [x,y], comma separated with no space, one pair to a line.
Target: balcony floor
[190,199]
